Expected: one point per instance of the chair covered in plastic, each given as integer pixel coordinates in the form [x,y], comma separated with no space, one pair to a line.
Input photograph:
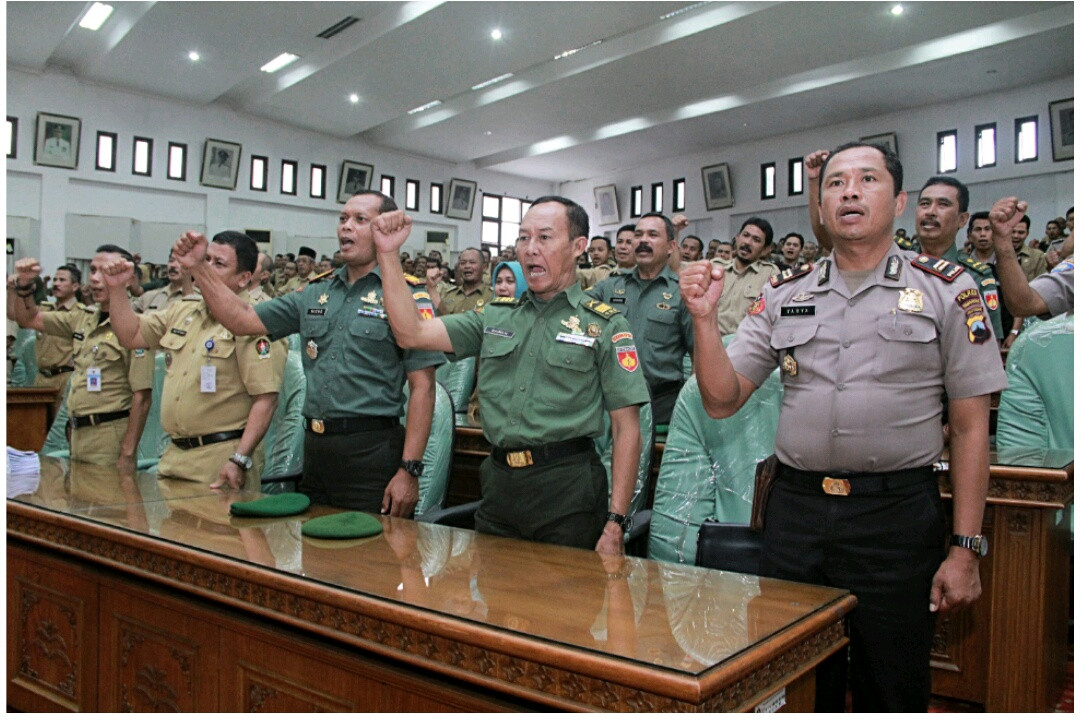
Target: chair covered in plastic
[1036,410]
[284,439]
[439,454]
[24,351]
[459,378]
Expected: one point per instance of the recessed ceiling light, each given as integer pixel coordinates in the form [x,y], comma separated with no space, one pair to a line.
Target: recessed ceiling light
[354,98]
[487,132]
[96,16]
[496,34]
[486,83]
[193,56]
[425,106]
[279,62]
[897,9]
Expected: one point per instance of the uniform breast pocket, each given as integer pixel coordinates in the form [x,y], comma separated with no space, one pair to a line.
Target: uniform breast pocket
[369,329]
[223,348]
[909,348]
[794,339]
[661,325]
[171,344]
[314,326]
[495,370]
[570,374]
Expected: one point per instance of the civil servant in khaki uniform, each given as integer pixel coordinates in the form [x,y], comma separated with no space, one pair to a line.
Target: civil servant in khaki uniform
[1050,294]
[747,271]
[550,364]
[220,390]
[54,352]
[471,293]
[179,285]
[356,454]
[109,391]
[867,339]
[649,298]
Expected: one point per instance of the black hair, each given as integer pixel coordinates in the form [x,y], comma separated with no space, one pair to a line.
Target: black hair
[945,180]
[628,227]
[1026,221]
[76,274]
[892,163]
[602,238]
[576,218]
[761,223]
[247,253]
[669,227]
[977,216]
[387,203]
[700,243]
[802,241]
[110,248]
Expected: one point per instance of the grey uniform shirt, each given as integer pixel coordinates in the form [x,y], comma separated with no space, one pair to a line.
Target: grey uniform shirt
[1056,288]
[869,367]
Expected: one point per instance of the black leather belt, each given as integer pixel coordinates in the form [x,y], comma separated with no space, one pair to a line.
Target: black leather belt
[193,442]
[518,458]
[350,425]
[77,422]
[841,484]
[55,371]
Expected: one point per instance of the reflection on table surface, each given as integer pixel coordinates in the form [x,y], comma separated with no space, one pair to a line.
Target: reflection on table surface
[677,617]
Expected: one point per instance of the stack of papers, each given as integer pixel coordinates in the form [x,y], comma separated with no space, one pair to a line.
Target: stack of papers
[24,472]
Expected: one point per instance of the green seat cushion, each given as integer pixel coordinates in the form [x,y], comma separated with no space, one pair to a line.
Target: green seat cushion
[275,505]
[346,525]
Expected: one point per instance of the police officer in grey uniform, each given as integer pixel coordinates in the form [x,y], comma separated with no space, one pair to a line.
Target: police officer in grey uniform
[1050,294]
[867,339]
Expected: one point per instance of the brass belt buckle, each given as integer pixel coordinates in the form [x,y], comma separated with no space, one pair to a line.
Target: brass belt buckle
[317,426]
[836,487]
[519,459]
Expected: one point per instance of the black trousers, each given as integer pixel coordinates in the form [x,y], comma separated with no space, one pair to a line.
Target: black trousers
[885,548]
[351,471]
[564,502]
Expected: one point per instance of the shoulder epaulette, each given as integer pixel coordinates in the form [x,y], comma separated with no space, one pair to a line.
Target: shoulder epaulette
[600,308]
[84,307]
[973,264]
[505,301]
[790,274]
[905,243]
[938,267]
[320,277]
[413,280]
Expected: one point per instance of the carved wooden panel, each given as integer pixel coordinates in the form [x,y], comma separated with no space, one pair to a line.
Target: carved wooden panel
[52,613]
[157,654]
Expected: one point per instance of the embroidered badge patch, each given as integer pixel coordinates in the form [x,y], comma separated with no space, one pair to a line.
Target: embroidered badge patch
[627,356]
[262,347]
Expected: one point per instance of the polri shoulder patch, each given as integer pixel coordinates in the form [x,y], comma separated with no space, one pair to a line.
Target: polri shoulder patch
[791,274]
[937,267]
[600,308]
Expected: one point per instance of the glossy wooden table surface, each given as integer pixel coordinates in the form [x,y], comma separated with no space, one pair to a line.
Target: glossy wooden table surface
[645,629]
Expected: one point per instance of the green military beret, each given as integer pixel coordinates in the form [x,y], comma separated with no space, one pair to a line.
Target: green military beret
[274,505]
[346,525]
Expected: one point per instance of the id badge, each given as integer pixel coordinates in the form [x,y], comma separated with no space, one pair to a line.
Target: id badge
[209,380]
[93,379]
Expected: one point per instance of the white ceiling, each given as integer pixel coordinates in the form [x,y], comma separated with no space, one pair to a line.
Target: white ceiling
[717,74]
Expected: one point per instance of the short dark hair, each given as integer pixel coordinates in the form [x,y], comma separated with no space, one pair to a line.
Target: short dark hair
[628,227]
[76,274]
[1026,221]
[700,243]
[945,180]
[977,216]
[892,163]
[290,256]
[387,203]
[727,243]
[793,234]
[669,227]
[576,218]
[601,238]
[470,248]
[247,253]
[110,248]
[761,223]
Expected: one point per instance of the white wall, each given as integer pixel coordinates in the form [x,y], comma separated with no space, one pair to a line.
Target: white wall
[50,195]
[1046,185]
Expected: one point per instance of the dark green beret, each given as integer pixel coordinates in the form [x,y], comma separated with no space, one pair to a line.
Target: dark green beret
[346,525]
[273,505]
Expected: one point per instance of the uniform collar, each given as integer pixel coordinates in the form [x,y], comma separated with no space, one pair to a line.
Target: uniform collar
[573,294]
[665,273]
[878,277]
[70,304]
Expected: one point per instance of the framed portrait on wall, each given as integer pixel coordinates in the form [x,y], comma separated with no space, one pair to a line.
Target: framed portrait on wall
[57,142]
[886,139]
[607,200]
[220,164]
[716,180]
[355,177]
[1061,128]
[460,199]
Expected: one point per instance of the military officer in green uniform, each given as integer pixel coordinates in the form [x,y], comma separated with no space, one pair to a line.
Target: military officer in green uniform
[649,298]
[109,390]
[220,390]
[550,364]
[356,453]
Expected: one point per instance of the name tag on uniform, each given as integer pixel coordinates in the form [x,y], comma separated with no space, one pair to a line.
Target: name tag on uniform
[501,332]
[797,311]
[316,312]
[208,379]
[77,336]
[178,331]
[575,339]
[93,379]
[616,300]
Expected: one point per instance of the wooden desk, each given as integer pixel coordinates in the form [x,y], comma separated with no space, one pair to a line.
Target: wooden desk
[134,593]
[29,415]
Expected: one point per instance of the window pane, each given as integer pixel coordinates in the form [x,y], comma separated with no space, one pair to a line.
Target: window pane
[177,161]
[946,152]
[12,133]
[1027,141]
[141,160]
[525,206]
[678,195]
[795,175]
[489,232]
[509,234]
[491,207]
[412,195]
[105,149]
[318,181]
[658,197]
[435,204]
[511,211]
[636,195]
[288,177]
[768,180]
[986,146]
[258,173]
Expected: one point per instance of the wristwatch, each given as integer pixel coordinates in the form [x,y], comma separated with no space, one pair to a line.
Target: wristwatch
[244,462]
[978,543]
[413,466]
[625,521]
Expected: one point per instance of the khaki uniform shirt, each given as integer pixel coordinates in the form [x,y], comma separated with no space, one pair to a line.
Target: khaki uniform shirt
[660,322]
[156,300]
[51,350]
[244,366]
[94,345]
[740,292]
[296,282]
[456,300]
[547,371]
[1032,260]
[352,364]
[864,372]
[258,295]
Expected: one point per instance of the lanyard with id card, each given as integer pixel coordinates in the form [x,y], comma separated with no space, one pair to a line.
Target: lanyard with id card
[93,375]
[208,373]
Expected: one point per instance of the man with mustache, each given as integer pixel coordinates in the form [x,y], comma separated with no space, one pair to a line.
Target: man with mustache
[649,298]
[746,272]
[161,298]
[54,352]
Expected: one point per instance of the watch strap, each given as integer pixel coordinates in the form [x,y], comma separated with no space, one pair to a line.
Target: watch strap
[977,543]
[623,520]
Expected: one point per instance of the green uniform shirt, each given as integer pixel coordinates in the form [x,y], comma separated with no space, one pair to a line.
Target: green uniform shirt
[982,274]
[352,363]
[547,371]
[658,318]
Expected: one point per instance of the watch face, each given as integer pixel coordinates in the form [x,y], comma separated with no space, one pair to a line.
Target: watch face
[984,546]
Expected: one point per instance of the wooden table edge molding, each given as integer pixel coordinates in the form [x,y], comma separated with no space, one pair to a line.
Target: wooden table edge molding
[531,669]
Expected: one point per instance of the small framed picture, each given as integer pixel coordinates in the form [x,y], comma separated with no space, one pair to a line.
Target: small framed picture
[1061,128]
[220,164]
[57,140]
[462,195]
[886,139]
[355,178]
[607,200]
[716,179]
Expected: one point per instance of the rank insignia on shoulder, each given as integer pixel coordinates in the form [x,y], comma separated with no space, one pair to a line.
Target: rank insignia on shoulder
[937,267]
[413,280]
[790,274]
[320,277]
[505,301]
[600,308]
